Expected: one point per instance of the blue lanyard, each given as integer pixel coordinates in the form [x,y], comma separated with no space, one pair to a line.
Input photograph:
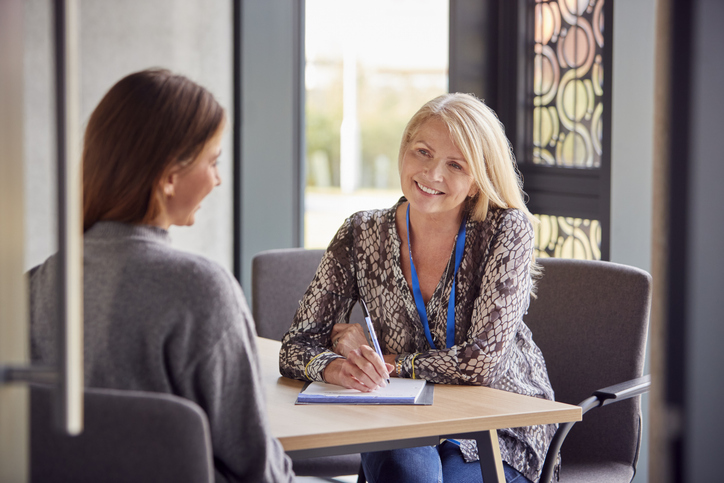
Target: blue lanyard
[417,293]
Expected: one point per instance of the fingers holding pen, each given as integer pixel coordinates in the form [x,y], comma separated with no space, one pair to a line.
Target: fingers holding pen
[362,371]
[374,368]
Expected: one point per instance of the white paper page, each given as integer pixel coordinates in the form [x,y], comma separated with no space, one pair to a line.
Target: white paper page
[398,387]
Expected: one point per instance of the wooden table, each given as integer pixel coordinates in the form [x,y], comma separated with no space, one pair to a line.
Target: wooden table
[466,412]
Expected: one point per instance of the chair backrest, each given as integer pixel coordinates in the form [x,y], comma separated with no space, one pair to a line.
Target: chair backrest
[128,436]
[279,279]
[590,320]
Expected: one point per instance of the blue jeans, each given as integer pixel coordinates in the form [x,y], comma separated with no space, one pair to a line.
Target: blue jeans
[428,464]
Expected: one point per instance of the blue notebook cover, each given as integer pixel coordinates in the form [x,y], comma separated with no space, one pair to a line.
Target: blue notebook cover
[399,391]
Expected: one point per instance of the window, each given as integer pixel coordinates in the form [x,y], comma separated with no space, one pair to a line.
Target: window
[564,156]
[369,67]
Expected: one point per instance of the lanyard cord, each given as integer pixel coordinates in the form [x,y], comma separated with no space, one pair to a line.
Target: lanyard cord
[417,293]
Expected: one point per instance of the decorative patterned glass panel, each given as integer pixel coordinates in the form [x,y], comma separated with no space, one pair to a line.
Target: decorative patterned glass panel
[563,237]
[568,83]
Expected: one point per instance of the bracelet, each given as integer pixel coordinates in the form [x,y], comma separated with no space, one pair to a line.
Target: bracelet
[310,361]
[398,366]
[413,365]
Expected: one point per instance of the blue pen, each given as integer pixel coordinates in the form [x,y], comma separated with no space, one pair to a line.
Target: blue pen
[372,333]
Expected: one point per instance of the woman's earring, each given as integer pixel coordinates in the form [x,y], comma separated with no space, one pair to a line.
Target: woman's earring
[168,190]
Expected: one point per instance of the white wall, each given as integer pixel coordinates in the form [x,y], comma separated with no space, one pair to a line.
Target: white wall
[14,349]
[190,37]
[632,150]
[632,132]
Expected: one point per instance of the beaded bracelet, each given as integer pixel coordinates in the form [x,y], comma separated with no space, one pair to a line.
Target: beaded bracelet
[398,366]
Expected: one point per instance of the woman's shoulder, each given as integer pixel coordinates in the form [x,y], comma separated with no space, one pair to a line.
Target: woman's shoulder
[504,218]
[363,224]
[515,218]
[42,278]
[362,230]
[191,272]
[150,247]
[374,217]
[144,256]
[195,265]
[509,226]
[201,289]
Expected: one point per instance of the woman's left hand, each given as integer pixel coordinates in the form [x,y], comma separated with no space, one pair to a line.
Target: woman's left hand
[347,337]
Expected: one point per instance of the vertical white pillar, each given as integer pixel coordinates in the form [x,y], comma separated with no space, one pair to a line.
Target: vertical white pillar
[349,150]
[70,228]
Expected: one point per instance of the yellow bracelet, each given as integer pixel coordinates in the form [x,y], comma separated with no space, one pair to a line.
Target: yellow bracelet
[413,365]
[310,361]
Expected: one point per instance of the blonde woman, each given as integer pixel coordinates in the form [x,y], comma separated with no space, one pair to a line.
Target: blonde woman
[446,274]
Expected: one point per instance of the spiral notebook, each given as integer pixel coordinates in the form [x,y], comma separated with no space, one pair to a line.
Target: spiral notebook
[399,391]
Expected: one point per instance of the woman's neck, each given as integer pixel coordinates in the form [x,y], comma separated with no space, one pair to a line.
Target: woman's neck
[437,224]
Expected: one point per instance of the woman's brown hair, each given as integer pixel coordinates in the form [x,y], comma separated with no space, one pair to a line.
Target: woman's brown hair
[145,123]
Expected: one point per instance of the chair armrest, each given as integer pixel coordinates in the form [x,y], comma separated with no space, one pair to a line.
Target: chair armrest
[601,397]
[624,390]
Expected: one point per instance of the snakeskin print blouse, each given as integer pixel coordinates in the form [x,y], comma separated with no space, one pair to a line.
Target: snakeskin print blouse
[493,347]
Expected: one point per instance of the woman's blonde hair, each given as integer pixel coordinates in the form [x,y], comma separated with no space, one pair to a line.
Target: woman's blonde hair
[480,136]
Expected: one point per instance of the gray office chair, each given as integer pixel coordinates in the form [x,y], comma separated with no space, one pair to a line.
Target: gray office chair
[279,279]
[590,320]
[128,436]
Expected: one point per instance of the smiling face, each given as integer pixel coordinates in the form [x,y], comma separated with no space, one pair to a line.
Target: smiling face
[185,187]
[434,174]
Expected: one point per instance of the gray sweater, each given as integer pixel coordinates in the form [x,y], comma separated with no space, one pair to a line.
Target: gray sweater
[161,320]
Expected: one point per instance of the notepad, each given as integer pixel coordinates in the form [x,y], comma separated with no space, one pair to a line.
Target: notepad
[399,391]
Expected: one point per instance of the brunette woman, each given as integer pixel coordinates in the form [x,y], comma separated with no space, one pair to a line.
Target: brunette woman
[159,319]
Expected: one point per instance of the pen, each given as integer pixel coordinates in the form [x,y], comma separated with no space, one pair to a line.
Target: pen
[372,333]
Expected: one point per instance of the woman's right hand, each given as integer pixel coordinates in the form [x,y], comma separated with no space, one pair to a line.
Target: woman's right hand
[362,370]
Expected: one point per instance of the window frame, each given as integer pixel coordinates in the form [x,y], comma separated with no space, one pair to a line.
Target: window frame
[504,46]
